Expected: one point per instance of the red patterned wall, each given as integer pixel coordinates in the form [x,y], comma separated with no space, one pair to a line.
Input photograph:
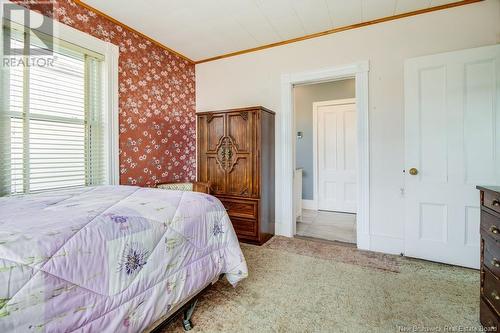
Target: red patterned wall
[157,100]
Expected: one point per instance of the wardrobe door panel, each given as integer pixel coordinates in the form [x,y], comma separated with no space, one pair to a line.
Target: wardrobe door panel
[211,131]
[214,131]
[216,176]
[240,129]
[239,180]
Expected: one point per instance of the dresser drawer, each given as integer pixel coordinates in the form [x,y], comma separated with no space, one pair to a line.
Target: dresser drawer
[246,209]
[488,318]
[491,256]
[490,225]
[491,290]
[492,201]
[245,228]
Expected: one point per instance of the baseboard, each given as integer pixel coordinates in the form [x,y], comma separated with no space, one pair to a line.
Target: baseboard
[363,241]
[386,244]
[282,230]
[309,204]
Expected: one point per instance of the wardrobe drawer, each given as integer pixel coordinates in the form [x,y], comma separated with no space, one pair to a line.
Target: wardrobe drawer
[490,225]
[491,290]
[245,228]
[241,208]
[492,201]
[488,318]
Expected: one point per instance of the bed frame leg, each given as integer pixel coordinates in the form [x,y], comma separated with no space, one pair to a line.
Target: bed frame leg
[186,319]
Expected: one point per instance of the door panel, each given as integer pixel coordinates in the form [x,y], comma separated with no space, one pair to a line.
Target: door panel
[336,155]
[239,128]
[452,126]
[239,181]
[479,115]
[216,175]
[433,140]
[242,131]
[351,141]
[211,130]
[433,222]
[214,132]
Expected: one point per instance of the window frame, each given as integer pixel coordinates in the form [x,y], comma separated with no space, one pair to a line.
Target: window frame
[109,70]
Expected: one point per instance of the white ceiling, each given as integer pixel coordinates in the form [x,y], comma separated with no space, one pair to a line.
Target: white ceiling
[201,29]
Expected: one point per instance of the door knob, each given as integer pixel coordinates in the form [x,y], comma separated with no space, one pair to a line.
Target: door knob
[413,171]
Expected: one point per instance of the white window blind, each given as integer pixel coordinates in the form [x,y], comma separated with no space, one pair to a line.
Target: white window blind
[53,122]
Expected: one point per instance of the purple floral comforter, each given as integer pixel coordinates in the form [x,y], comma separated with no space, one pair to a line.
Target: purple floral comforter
[110,258]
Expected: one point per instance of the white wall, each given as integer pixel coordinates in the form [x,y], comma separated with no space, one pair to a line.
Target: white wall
[254,79]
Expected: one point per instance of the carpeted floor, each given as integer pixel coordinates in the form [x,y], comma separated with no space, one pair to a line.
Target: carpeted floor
[299,285]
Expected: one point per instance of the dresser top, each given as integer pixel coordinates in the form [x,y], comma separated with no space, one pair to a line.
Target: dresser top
[489,188]
[250,108]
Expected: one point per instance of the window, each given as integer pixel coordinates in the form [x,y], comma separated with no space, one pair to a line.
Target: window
[54,124]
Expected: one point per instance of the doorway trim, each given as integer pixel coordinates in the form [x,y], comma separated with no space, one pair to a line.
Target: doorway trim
[286,158]
[315,142]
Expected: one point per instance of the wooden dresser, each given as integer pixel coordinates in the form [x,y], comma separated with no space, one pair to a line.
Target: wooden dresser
[490,257]
[236,155]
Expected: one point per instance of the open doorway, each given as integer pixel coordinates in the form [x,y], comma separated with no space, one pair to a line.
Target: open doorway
[325,178]
[285,158]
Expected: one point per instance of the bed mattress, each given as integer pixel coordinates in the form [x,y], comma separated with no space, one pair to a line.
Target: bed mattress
[109,258]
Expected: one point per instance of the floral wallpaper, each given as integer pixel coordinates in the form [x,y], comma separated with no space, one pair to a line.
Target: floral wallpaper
[156,99]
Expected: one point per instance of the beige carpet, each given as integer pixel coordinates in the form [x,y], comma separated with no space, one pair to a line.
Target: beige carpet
[305,286]
[346,253]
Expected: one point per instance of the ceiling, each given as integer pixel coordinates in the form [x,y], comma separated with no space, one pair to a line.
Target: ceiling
[201,29]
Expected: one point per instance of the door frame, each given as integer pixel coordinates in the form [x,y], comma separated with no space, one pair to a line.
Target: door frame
[285,158]
[316,105]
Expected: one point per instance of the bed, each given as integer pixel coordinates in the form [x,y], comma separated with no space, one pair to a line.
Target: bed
[109,258]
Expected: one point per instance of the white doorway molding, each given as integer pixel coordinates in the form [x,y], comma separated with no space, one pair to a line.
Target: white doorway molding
[285,165]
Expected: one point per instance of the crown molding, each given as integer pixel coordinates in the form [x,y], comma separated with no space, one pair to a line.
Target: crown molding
[340,29]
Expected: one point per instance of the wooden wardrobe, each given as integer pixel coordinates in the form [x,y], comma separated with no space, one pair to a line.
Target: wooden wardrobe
[236,155]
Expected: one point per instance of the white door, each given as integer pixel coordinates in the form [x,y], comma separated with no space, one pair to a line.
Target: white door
[452,133]
[336,151]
